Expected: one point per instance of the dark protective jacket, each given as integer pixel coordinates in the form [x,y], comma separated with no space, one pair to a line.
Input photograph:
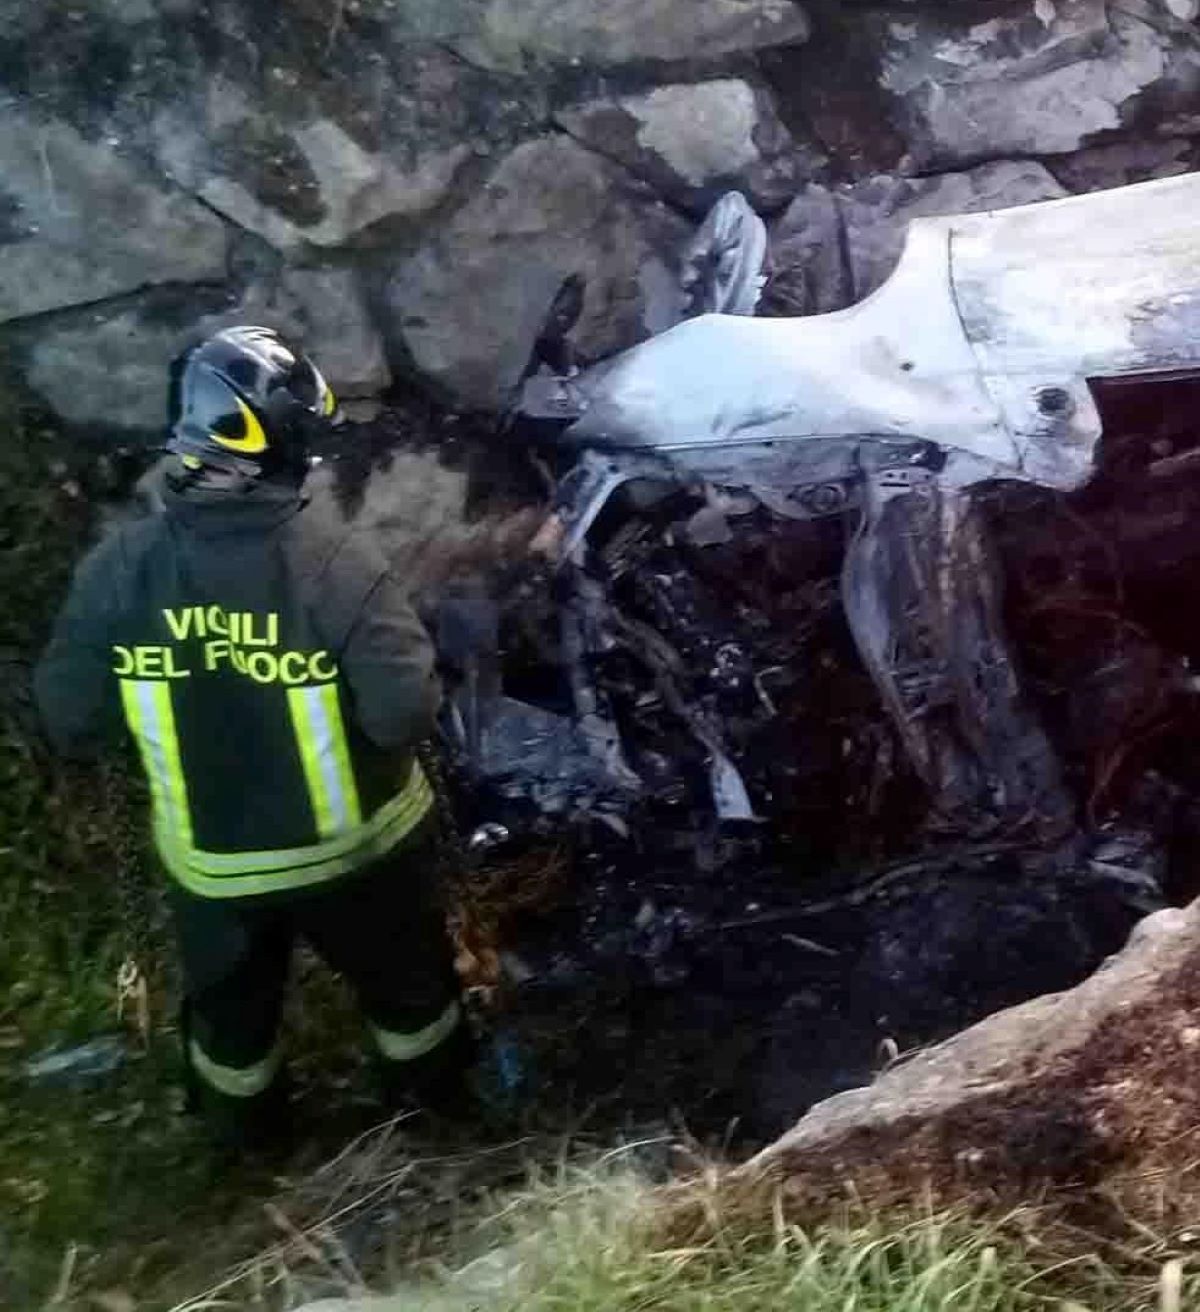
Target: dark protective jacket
[273,675]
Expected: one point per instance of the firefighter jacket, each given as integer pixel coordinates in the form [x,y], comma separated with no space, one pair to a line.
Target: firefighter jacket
[274,678]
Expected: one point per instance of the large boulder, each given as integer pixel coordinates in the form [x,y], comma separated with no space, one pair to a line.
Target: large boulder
[469,305]
[106,367]
[693,142]
[1043,81]
[308,182]
[308,124]
[508,33]
[79,222]
[300,162]
[833,246]
[1059,1090]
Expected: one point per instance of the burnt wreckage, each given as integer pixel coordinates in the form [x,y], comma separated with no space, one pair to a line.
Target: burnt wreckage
[773,650]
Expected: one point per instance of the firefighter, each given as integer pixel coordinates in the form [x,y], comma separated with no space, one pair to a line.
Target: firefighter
[276,683]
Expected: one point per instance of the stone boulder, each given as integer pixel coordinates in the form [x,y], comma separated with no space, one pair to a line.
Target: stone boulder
[80,223]
[469,304]
[105,367]
[1058,1091]
[833,246]
[303,163]
[1121,163]
[1046,80]
[309,124]
[693,142]
[299,183]
[510,33]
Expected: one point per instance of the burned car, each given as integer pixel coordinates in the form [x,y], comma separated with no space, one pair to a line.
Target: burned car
[770,670]
[982,359]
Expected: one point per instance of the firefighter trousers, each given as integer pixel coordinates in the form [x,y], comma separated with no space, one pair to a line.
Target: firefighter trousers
[382,928]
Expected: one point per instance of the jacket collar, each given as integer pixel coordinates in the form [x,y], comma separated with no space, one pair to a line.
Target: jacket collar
[213,513]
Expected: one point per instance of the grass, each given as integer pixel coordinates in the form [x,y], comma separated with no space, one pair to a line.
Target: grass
[592,1245]
[590,1236]
[67,1155]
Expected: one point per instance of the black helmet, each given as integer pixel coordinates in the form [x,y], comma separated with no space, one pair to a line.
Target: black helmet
[246,401]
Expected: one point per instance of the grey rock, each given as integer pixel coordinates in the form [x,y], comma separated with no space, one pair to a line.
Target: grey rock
[605,32]
[399,1302]
[80,223]
[1073,1065]
[809,267]
[692,142]
[1121,163]
[470,303]
[298,182]
[310,128]
[324,309]
[1022,85]
[834,246]
[107,368]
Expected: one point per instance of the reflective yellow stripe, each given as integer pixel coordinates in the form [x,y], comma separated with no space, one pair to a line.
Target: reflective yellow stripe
[151,717]
[237,874]
[347,789]
[397,1046]
[402,812]
[236,1081]
[325,754]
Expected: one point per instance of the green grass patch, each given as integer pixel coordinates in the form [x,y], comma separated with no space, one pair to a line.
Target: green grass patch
[69,1157]
[594,1243]
[599,1237]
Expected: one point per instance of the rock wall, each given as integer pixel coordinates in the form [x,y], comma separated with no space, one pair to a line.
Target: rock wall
[404,184]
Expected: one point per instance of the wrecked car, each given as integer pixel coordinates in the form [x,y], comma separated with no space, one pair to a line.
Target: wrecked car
[854,700]
[987,357]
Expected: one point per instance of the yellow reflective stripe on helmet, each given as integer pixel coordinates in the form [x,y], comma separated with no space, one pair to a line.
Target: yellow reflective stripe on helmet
[398,1046]
[151,717]
[236,1081]
[325,754]
[240,874]
[253,441]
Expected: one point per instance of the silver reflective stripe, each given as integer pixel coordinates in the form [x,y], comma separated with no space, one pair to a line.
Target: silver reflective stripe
[325,754]
[398,1046]
[236,1081]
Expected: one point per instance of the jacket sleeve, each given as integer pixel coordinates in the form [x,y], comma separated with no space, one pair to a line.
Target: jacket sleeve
[76,692]
[388,662]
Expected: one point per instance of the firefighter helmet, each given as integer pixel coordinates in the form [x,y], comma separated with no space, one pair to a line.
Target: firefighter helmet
[245,401]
